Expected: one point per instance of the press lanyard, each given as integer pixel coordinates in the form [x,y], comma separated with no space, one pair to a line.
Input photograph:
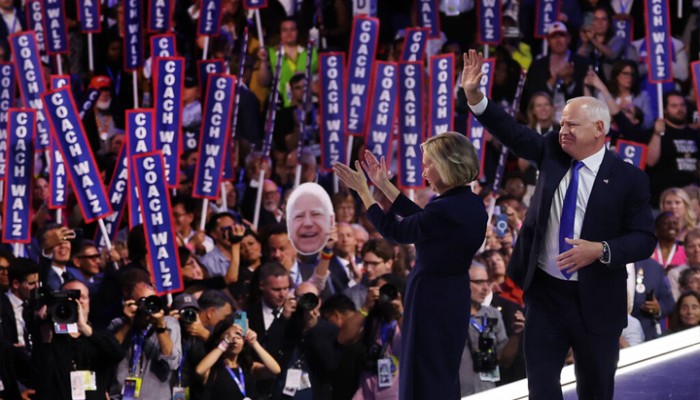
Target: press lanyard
[386,329]
[179,369]
[240,382]
[476,326]
[668,259]
[139,342]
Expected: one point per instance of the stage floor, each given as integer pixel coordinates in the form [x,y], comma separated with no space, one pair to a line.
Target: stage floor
[677,378]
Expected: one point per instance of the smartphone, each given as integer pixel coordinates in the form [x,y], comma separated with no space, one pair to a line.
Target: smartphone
[501,225]
[240,318]
[650,295]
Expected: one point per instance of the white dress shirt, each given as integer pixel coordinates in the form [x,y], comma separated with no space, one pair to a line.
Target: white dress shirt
[268,315]
[18,308]
[587,174]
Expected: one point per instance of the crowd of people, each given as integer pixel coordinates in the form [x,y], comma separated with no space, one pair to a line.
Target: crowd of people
[260,318]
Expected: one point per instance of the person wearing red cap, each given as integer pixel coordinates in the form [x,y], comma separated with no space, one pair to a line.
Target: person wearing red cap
[560,73]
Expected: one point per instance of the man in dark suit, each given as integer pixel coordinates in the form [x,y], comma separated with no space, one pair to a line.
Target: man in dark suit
[54,270]
[269,316]
[587,198]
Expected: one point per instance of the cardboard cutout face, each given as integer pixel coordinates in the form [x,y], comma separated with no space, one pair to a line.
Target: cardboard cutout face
[309,218]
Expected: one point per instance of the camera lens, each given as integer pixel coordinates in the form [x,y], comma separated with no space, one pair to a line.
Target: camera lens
[150,305]
[64,312]
[307,302]
[188,315]
[388,293]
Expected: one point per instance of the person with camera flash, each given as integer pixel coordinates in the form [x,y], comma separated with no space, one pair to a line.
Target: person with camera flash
[152,343]
[70,363]
[487,341]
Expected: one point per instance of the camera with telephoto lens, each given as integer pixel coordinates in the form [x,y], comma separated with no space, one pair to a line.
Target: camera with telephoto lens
[388,293]
[188,315]
[307,302]
[61,306]
[150,305]
[485,358]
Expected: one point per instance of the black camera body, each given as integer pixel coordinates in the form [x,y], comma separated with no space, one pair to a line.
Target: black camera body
[61,305]
[485,357]
[150,305]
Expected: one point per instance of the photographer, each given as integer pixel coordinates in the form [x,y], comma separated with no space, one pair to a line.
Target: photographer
[69,362]
[186,310]
[487,340]
[380,331]
[310,352]
[152,344]
[221,228]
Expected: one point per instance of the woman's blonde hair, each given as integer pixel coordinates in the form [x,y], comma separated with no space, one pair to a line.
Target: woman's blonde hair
[689,220]
[454,157]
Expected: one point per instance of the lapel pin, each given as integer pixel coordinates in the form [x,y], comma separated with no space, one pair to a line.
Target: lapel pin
[605,181]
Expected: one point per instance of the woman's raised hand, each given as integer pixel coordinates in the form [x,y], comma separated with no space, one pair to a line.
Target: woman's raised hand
[375,169]
[352,178]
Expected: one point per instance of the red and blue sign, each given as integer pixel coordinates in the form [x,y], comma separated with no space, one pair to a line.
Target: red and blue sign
[363,47]
[383,110]
[632,152]
[162,257]
[89,15]
[159,12]
[133,35]
[118,197]
[410,124]
[31,81]
[214,136]
[206,67]
[332,109]
[163,45]
[254,4]
[55,27]
[658,41]
[623,26]
[546,13]
[7,100]
[16,222]
[414,45]
[139,140]
[209,17]
[428,17]
[475,131]
[169,84]
[441,107]
[489,21]
[35,22]
[68,130]
[57,177]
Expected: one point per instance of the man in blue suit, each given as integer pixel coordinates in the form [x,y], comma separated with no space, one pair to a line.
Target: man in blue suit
[589,216]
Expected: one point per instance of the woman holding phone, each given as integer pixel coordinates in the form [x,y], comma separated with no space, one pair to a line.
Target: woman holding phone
[447,233]
[228,371]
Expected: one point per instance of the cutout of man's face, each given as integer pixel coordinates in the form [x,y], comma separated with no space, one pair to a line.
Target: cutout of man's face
[309,222]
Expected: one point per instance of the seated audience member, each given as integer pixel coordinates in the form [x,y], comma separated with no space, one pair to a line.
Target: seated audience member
[478,370]
[692,252]
[653,300]
[228,370]
[686,315]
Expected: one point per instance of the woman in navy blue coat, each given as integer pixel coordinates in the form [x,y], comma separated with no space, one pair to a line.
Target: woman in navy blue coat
[447,233]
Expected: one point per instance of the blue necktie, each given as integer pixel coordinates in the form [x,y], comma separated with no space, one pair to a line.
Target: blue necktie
[568,213]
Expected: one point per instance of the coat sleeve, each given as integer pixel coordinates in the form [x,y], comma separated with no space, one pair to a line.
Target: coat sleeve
[523,141]
[430,222]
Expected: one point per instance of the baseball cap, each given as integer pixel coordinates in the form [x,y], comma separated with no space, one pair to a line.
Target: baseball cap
[557,27]
[185,300]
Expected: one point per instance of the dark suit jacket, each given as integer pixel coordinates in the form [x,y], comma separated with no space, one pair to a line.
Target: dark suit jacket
[50,278]
[654,279]
[618,212]
[8,326]
[271,339]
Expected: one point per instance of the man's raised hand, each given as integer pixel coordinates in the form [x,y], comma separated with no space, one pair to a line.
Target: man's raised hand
[471,76]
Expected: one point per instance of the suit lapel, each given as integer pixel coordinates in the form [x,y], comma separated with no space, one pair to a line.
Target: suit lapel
[600,195]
